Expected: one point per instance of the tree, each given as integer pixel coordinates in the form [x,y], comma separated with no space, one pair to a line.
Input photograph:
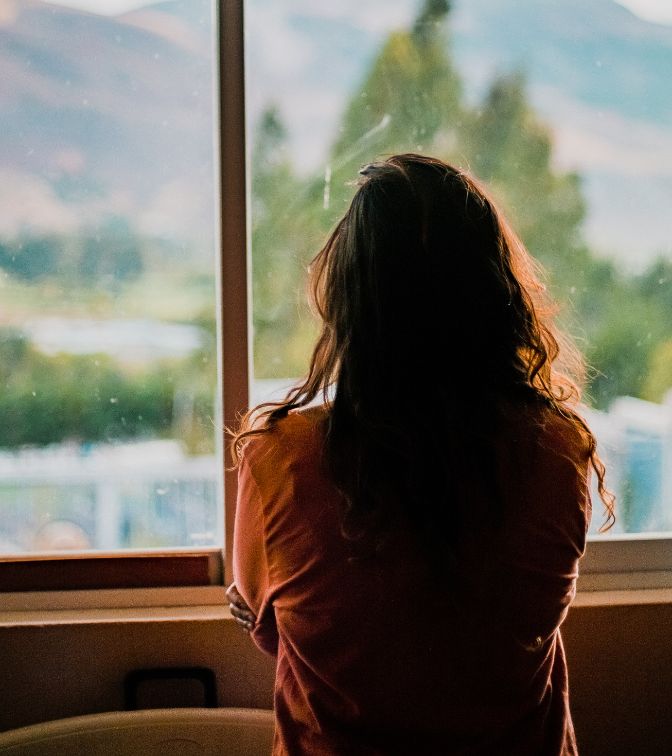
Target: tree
[410,99]
[89,398]
[510,149]
[280,240]
[410,96]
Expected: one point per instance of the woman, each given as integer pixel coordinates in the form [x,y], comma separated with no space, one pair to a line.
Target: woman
[409,546]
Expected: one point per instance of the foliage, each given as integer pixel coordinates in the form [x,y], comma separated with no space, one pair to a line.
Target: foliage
[409,100]
[507,147]
[46,399]
[282,241]
[659,377]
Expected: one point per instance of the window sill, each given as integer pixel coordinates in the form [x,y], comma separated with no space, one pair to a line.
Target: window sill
[152,601]
[631,597]
[632,563]
[94,571]
[623,570]
[139,613]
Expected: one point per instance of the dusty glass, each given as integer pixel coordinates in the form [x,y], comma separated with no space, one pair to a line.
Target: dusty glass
[108,396]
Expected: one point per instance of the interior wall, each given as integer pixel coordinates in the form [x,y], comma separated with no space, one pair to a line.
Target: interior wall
[620,679]
[620,661]
[53,671]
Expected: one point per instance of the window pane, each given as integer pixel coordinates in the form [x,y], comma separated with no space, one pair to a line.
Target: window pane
[108,398]
[565,114]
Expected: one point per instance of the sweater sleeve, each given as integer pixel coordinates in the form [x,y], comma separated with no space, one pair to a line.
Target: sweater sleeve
[549,511]
[250,563]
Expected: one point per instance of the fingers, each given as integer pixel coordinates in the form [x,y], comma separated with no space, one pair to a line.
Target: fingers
[243,613]
[233,596]
[240,611]
[244,618]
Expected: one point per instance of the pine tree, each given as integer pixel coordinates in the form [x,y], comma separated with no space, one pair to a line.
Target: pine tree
[409,100]
[282,328]
[510,149]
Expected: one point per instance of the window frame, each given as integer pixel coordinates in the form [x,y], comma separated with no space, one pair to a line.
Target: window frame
[623,562]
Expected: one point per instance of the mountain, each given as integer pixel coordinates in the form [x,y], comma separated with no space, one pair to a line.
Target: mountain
[600,76]
[187,23]
[595,52]
[104,116]
[113,115]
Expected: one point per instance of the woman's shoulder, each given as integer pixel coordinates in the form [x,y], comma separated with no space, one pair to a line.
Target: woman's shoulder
[556,430]
[295,435]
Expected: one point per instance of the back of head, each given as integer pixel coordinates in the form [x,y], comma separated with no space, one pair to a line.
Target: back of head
[424,288]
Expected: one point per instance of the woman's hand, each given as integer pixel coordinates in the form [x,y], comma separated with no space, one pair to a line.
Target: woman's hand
[241,612]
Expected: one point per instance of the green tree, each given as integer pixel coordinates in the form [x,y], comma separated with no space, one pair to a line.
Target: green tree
[47,399]
[410,97]
[408,101]
[659,375]
[281,241]
[508,147]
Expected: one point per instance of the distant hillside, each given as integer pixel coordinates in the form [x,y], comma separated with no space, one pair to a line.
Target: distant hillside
[601,77]
[104,115]
[594,51]
[113,115]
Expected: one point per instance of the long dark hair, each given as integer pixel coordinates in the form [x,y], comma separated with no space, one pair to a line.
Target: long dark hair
[434,320]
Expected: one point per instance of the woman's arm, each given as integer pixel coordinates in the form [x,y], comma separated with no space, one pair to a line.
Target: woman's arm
[548,512]
[252,581]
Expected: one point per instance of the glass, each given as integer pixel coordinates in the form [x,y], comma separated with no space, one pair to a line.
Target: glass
[565,116]
[109,417]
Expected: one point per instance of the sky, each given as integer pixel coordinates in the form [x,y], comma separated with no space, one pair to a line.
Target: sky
[652,10]
[659,11]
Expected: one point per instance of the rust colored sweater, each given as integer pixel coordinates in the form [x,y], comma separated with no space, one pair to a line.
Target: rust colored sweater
[376,656]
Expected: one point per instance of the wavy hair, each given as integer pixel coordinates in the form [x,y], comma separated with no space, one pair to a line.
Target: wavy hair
[434,320]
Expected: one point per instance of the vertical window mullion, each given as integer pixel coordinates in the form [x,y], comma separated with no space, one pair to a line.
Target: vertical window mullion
[234,297]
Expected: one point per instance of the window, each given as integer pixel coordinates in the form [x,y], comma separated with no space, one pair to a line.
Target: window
[564,115]
[111,272]
[108,265]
